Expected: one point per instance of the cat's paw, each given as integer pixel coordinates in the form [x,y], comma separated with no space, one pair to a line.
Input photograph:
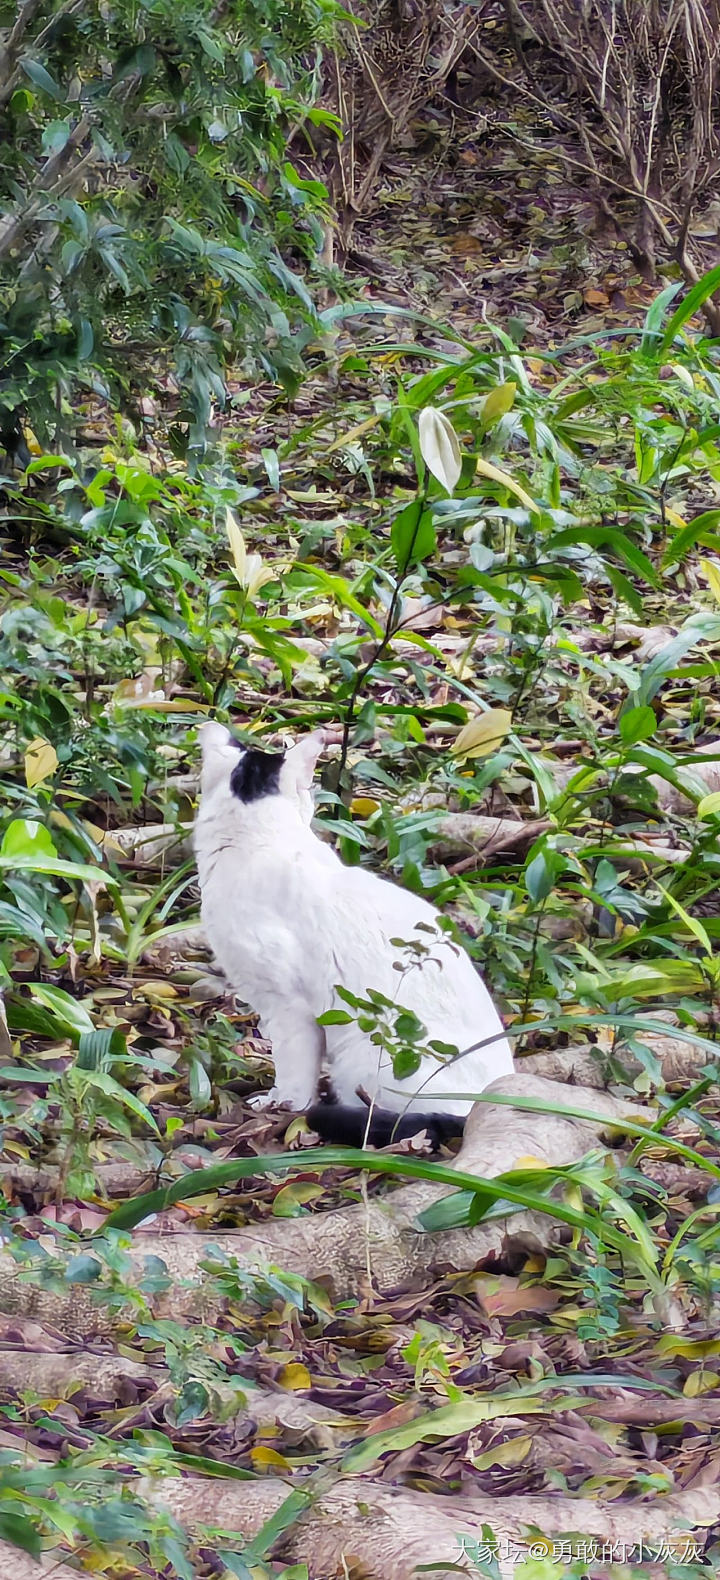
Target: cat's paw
[273,1099]
[260,1100]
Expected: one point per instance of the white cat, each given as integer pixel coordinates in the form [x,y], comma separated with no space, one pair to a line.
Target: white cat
[289,922]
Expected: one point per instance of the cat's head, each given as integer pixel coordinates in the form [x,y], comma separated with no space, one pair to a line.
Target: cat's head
[247,774]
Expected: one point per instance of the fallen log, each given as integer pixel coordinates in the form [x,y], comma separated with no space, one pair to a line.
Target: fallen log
[370,1528]
[585,1064]
[64,1373]
[17,1565]
[346,1246]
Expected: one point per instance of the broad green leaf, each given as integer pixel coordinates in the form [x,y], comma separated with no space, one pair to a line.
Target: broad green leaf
[412,535]
[69,1012]
[25,837]
[97,1048]
[710,805]
[661,763]
[40,76]
[638,724]
[18,1530]
[55,867]
[541,872]
[483,734]
[439,447]
[199,1086]
[698,628]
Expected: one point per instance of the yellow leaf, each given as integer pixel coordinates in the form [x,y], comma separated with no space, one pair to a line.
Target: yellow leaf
[709,805]
[264,1457]
[295,1376]
[512,1452]
[712,574]
[237,546]
[674,519]
[356,432]
[497,403]
[294,1195]
[700,1382]
[40,762]
[486,469]
[483,734]
[32,442]
[363,806]
[528,1161]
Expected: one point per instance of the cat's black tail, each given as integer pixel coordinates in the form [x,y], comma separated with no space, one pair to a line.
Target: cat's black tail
[347,1126]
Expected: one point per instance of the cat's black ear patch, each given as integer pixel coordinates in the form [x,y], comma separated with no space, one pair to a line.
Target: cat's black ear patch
[257,774]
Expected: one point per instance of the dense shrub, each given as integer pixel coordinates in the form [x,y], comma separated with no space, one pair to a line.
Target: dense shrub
[147,203]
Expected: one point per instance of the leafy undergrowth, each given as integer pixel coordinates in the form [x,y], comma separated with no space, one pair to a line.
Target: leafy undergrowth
[521,669]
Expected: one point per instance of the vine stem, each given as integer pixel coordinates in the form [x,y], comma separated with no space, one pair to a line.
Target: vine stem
[382,647]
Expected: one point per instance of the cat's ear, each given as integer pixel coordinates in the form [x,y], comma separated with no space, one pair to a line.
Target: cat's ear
[219,755]
[300,761]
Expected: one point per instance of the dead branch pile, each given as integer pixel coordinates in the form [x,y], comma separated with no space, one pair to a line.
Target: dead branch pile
[643,89]
[390,64]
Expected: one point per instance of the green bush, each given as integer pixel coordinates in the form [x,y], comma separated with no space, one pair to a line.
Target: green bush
[147,201]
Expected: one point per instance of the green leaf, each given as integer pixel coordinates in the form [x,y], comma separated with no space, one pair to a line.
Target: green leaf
[661,763]
[692,923]
[111,1088]
[454,1420]
[25,837]
[83,1269]
[699,530]
[199,1086]
[55,867]
[334,1017]
[541,872]
[16,1529]
[41,77]
[598,537]
[55,136]
[647,979]
[638,724]
[504,1190]
[412,535]
[291,1509]
[695,299]
[697,629]
[68,1012]
[96,1049]
[655,317]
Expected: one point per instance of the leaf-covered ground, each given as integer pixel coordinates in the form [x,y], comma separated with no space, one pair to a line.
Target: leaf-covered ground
[571,585]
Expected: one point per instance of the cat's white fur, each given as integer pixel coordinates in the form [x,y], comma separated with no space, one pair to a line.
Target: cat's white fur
[288,921]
